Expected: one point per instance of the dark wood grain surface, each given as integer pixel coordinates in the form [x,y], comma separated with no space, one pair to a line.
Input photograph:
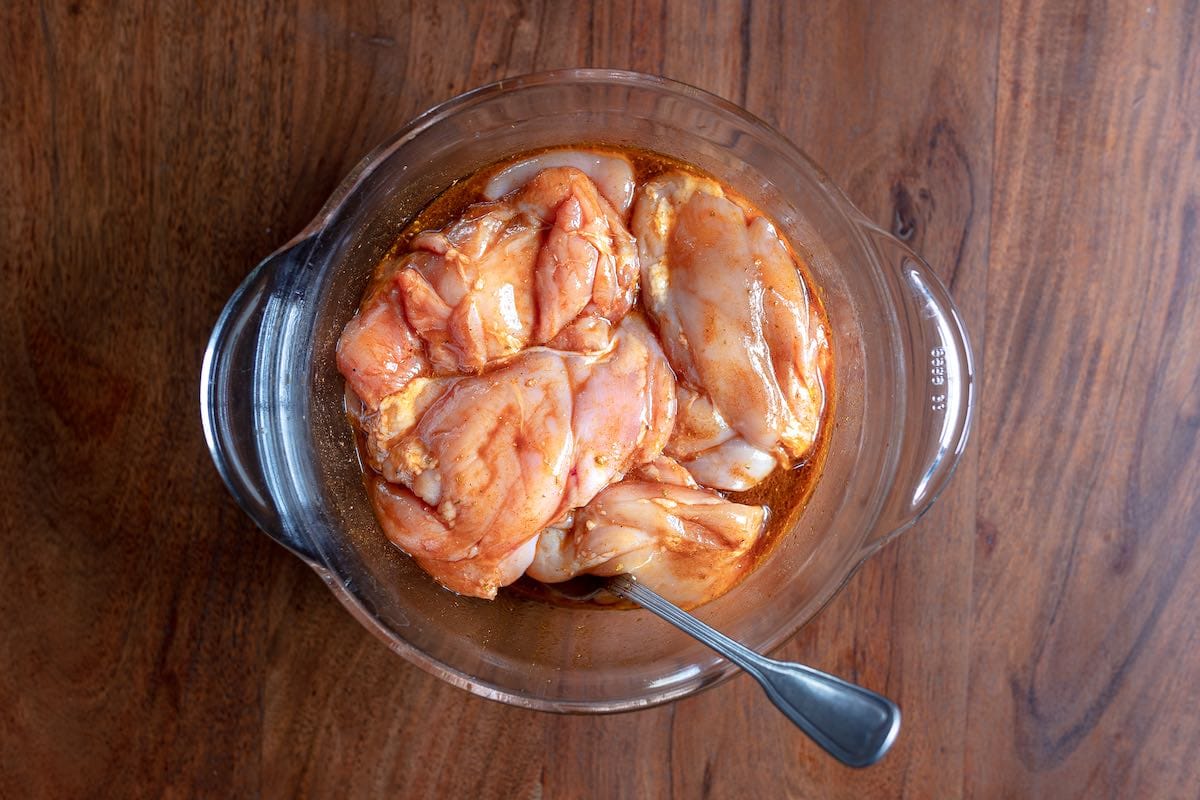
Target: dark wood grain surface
[1039,626]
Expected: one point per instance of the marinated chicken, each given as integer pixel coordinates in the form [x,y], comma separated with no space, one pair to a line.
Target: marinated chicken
[714,453]
[735,322]
[518,415]
[612,174]
[684,541]
[473,467]
[553,263]
[378,352]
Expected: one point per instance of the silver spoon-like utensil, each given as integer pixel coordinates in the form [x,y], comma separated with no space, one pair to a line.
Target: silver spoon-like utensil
[854,725]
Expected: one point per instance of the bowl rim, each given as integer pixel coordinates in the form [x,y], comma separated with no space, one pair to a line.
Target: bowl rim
[328,217]
[436,113]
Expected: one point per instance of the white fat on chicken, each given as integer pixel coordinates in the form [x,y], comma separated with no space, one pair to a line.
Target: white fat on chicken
[612,174]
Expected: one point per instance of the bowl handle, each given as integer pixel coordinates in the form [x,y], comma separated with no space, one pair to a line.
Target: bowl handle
[941,387]
[229,408]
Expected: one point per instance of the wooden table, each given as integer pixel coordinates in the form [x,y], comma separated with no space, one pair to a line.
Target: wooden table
[1039,627]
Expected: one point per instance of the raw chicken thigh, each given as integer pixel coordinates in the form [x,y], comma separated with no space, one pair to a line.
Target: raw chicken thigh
[551,263]
[519,416]
[520,271]
[378,352]
[714,453]
[472,468]
[624,411]
[735,322]
[684,542]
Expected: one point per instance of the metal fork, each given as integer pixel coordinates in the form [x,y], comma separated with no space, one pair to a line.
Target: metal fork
[854,725]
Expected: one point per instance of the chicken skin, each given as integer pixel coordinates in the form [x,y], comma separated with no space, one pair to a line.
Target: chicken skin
[684,542]
[470,469]
[735,322]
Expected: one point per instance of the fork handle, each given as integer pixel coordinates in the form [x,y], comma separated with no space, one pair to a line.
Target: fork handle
[853,724]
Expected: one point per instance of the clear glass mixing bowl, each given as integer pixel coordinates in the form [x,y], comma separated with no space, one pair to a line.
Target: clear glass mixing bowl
[271,397]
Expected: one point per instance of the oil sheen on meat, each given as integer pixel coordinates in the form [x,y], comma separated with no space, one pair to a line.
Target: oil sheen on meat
[519,417]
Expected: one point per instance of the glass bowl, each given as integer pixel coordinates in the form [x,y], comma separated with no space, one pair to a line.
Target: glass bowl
[271,396]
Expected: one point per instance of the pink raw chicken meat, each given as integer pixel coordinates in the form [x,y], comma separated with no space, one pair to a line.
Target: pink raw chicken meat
[519,420]
[735,323]
[378,352]
[550,264]
[472,468]
[684,542]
